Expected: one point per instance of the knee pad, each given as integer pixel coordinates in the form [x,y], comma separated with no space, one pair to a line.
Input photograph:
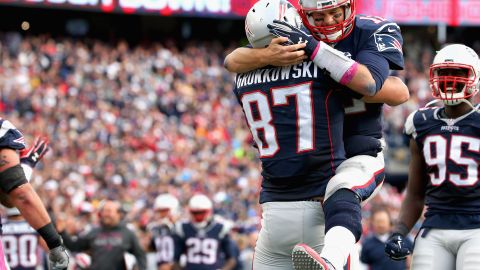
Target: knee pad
[343,209]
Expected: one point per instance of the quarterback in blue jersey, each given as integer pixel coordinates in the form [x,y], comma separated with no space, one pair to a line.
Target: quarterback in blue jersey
[357,53]
[17,191]
[204,242]
[444,169]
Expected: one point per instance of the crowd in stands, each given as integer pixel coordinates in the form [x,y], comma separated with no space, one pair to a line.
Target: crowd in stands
[131,122]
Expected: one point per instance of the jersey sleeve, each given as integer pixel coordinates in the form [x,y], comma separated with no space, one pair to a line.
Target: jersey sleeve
[10,136]
[383,38]
[409,128]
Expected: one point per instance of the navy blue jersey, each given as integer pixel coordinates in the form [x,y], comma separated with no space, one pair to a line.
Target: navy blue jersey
[10,137]
[377,44]
[297,124]
[163,243]
[20,245]
[205,248]
[451,149]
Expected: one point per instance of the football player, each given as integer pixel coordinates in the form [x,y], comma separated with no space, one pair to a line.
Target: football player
[18,192]
[296,120]
[444,169]
[203,240]
[21,242]
[166,207]
[356,52]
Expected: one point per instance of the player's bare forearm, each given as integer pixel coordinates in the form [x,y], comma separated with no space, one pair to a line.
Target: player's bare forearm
[361,81]
[243,60]
[413,204]
[247,59]
[393,92]
[30,205]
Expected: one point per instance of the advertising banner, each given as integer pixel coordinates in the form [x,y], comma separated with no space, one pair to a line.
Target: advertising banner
[421,12]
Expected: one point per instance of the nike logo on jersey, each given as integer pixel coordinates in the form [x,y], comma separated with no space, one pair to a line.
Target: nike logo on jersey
[390,30]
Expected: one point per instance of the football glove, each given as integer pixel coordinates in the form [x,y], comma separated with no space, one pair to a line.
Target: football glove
[32,155]
[396,247]
[58,258]
[295,35]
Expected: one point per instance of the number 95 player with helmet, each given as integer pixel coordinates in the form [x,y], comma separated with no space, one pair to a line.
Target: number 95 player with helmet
[444,169]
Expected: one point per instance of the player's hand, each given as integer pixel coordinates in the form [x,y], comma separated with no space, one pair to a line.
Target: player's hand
[280,55]
[295,35]
[58,258]
[396,247]
[32,155]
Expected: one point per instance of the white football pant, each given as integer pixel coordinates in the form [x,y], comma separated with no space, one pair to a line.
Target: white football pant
[285,224]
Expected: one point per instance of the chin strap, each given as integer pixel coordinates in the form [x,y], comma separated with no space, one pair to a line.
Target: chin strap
[433,102]
[471,105]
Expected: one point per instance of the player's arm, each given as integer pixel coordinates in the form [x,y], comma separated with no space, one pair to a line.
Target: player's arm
[413,204]
[42,243]
[358,75]
[21,194]
[397,246]
[245,59]
[393,92]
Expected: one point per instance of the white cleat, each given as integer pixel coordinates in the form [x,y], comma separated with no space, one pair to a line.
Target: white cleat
[305,258]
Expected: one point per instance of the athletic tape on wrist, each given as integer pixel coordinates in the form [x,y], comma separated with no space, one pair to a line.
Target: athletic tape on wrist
[341,68]
[50,235]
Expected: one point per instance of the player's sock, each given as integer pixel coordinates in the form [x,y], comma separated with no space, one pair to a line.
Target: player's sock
[339,241]
[343,226]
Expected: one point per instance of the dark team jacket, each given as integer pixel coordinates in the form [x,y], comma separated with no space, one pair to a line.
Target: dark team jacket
[451,150]
[108,246]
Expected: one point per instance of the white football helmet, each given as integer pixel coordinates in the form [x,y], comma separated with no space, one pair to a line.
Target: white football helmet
[200,207]
[167,203]
[454,74]
[331,33]
[263,13]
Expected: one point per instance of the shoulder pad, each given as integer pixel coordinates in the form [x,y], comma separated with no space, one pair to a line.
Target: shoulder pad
[10,136]
[409,125]
[382,36]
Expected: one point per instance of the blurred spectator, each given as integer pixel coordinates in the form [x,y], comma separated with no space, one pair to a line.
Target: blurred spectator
[373,247]
[108,243]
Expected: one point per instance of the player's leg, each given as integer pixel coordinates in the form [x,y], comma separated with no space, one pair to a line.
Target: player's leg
[431,251]
[356,180]
[285,224]
[469,252]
